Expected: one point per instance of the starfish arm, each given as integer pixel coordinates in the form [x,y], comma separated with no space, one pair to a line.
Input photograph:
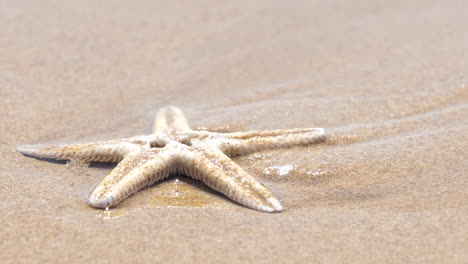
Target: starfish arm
[136,171]
[241,143]
[108,151]
[271,133]
[170,119]
[211,166]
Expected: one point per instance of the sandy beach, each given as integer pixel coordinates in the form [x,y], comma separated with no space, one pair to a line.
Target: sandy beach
[386,79]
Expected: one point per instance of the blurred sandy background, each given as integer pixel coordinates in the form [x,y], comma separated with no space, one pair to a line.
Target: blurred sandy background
[387,79]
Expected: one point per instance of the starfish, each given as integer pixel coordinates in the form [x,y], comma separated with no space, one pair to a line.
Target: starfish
[173,147]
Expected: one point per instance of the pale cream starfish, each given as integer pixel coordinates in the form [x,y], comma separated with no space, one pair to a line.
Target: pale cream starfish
[173,147]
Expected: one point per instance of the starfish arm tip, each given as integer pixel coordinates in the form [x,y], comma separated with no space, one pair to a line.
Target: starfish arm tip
[276,204]
[272,205]
[99,203]
[29,150]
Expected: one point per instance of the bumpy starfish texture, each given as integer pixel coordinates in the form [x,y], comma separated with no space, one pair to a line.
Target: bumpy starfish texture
[173,147]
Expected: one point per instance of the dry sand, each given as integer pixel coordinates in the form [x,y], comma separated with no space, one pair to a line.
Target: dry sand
[387,79]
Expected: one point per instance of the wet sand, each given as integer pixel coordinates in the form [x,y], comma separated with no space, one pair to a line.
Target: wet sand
[386,79]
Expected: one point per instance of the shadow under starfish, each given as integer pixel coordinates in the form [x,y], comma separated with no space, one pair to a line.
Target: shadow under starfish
[173,147]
